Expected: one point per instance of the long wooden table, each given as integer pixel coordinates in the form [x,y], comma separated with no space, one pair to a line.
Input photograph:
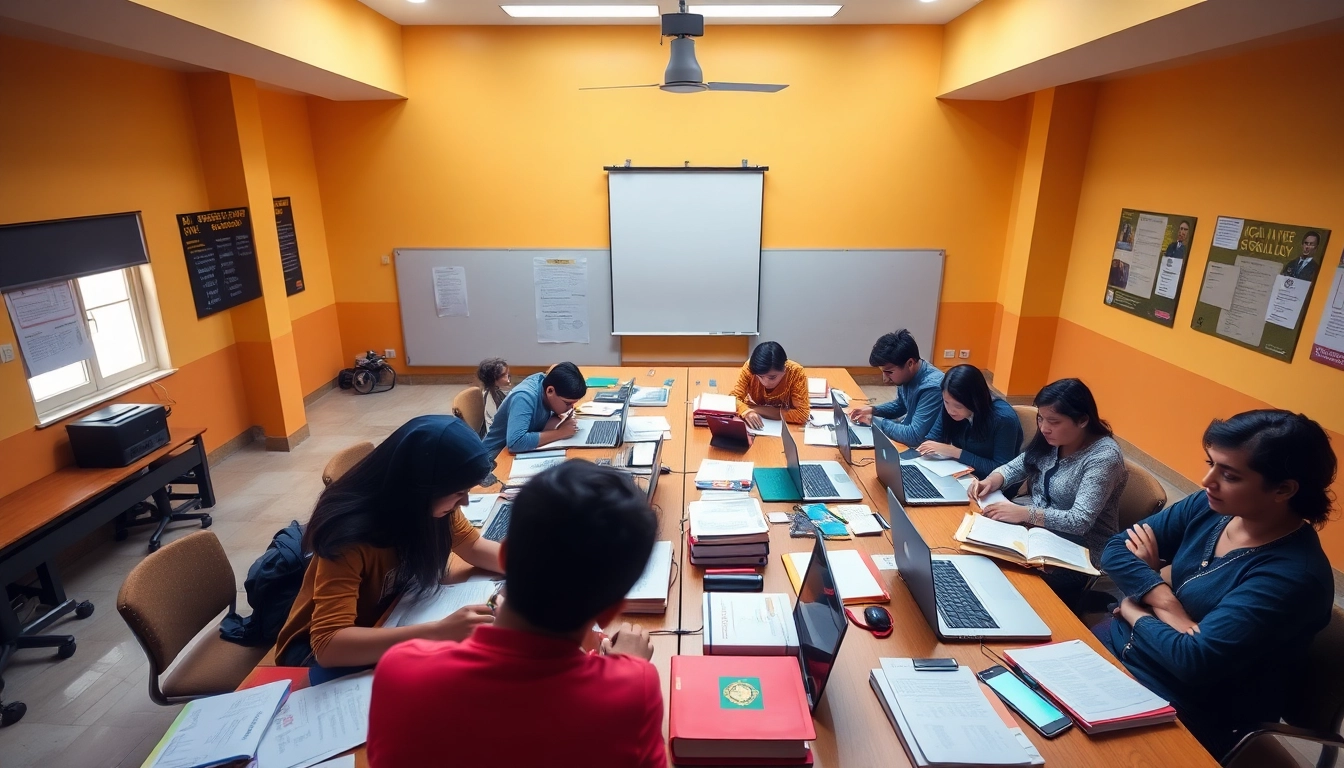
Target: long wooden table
[852,729]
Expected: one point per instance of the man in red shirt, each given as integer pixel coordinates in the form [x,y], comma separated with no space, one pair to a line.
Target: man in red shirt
[521,692]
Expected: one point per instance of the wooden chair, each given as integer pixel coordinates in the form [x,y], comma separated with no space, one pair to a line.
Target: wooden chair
[469,406]
[1143,495]
[1027,415]
[344,460]
[1315,714]
[167,600]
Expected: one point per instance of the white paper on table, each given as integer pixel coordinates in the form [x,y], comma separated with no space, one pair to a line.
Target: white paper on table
[1169,278]
[775,517]
[560,287]
[478,507]
[735,517]
[941,467]
[853,580]
[441,602]
[723,494]
[1227,233]
[450,291]
[526,467]
[1089,684]
[1287,300]
[318,722]
[219,728]
[769,428]
[1220,282]
[949,717]
[592,408]
[645,428]
[344,761]
[1245,319]
[718,470]
[885,562]
[992,497]
[50,332]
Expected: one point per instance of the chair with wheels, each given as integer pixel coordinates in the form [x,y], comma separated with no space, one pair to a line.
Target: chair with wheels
[27,633]
[344,460]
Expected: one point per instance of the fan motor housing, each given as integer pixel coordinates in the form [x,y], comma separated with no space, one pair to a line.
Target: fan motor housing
[683,24]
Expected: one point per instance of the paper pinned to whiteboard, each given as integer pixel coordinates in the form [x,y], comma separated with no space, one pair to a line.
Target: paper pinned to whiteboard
[51,334]
[561,288]
[450,291]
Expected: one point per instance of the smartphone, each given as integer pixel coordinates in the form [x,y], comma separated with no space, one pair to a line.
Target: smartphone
[1032,706]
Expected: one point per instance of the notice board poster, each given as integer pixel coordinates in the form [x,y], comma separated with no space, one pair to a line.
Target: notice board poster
[289,246]
[1328,347]
[1257,283]
[221,259]
[1148,264]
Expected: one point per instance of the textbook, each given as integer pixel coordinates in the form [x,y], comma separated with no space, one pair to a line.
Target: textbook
[715,474]
[649,594]
[738,710]
[736,521]
[1097,694]
[856,577]
[649,396]
[525,468]
[220,729]
[1022,545]
[746,624]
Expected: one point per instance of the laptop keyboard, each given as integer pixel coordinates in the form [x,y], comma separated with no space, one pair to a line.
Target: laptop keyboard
[604,433]
[499,527]
[959,606]
[917,486]
[815,482]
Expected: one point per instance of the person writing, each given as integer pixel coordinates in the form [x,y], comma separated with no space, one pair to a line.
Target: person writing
[382,531]
[975,428]
[520,692]
[1077,475]
[772,386]
[910,417]
[539,411]
[1250,585]
[493,375]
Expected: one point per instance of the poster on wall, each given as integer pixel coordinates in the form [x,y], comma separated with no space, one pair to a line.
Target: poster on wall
[221,259]
[1148,264]
[1328,347]
[289,246]
[561,290]
[1257,283]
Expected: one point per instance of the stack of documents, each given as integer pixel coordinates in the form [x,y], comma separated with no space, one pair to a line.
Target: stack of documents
[729,532]
[649,396]
[1096,694]
[744,624]
[527,466]
[649,594]
[318,722]
[946,719]
[220,729]
[724,475]
[646,428]
[711,402]
[1022,545]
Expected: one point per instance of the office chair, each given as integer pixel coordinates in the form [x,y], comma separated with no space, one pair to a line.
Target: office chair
[469,406]
[167,600]
[343,461]
[1027,415]
[1143,495]
[1314,714]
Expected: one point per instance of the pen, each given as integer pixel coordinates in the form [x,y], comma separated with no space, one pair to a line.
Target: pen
[566,415]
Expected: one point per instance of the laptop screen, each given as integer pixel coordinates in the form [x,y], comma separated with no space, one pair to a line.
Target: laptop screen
[888,461]
[820,618]
[841,425]
[914,559]
[791,458]
[651,480]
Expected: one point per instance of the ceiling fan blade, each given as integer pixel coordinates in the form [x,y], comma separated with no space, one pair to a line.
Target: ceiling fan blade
[756,87]
[615,87]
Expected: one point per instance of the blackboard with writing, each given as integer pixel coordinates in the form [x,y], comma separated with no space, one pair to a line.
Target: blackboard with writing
[221,259]
[289,246]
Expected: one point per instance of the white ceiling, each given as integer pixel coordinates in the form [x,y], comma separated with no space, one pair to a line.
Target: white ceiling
[487,12]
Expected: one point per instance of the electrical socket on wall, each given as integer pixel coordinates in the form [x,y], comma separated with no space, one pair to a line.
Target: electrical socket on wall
[386,259]
[948,354]
[6,353]
[389,352]
[965,354]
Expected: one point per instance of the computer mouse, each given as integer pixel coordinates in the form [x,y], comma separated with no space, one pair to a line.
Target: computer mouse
[877,618]
[664,469]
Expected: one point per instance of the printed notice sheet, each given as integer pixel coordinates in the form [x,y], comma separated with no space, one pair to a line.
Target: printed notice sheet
[1329,345]
[1244,319]
[561,287]
[1148,264]
[318,722]
[46,320]
[450,291]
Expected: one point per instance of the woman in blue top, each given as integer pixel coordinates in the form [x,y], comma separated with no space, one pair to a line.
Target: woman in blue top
[1250,586]
[975,429]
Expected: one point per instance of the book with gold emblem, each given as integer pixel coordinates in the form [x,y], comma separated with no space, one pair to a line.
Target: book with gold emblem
[739,710]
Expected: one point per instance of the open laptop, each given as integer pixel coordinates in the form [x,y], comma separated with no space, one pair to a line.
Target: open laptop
[911,483]
[822,481]
[594,433]
[619,395]
[820,619]
[649,482]
[963,597]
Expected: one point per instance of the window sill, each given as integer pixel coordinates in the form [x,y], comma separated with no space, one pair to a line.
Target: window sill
[98,398]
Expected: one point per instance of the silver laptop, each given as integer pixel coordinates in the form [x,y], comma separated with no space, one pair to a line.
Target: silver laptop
[963,597]
[594,433]
[848,435]
[818,480]
[911,483]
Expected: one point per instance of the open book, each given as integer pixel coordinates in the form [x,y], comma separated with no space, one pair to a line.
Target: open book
[1022,545]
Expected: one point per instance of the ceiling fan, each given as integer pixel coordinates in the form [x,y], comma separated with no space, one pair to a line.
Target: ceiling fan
[683,73]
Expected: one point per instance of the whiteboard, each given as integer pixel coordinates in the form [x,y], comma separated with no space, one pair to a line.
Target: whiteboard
[685,251]
[828,307]
[502,320]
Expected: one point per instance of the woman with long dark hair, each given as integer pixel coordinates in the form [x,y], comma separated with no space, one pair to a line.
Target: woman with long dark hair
[1250,586]
[384,530]
[1077,474]
[493,374]
[975,428]
[771,386]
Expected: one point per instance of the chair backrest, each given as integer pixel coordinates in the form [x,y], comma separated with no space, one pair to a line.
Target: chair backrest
[1143,495]
[469,406]
[173,593]
[344,460]
[1319,704]
[1027,415]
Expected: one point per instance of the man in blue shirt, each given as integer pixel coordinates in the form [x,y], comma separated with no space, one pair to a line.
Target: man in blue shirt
[919,396]
[540,410]
[1180,247]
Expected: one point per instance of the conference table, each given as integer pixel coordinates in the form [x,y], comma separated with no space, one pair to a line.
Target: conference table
[852,729]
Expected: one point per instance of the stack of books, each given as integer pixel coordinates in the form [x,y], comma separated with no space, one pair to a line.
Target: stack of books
[739,710]
[1096,693]
[744,624]
[728,533]
[718,475]
[711,402]
[818,394]
[649,594]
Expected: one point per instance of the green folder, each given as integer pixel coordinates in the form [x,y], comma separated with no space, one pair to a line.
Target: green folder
[774,484]
[601,381]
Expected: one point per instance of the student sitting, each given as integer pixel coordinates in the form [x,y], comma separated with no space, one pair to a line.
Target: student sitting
[1077,474]
[772,386]
[493,374]
[910,417]
[521,692]
[539,411]
[383,530]
[1250,585]
[975,428]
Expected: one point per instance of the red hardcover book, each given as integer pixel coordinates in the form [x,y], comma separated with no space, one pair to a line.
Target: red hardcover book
[739,710]
[297,676]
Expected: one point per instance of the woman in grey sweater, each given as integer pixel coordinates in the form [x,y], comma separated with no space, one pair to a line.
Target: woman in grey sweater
[1077,474]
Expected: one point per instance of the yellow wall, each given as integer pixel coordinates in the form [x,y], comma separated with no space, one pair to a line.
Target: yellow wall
[497,147]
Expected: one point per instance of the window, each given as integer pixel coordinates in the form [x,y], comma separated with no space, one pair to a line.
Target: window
[126,348]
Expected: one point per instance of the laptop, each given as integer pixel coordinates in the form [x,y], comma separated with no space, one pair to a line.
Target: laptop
[963,597]
[911,483]
[822,481]
[619,395]
[649,482]
[496,525]
[594,433]
[820,619]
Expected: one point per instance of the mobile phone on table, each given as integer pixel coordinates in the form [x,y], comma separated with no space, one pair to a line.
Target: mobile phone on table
[1042,715]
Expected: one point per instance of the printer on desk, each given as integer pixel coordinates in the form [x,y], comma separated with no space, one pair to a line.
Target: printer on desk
[118,434]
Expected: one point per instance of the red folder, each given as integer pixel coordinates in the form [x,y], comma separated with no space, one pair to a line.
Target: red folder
[739,710]
[297,676]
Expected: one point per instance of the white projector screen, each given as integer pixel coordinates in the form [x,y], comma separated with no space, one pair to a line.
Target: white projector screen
[685,251]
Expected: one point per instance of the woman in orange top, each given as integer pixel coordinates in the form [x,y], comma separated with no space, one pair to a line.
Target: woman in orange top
[771,386]
[384,530]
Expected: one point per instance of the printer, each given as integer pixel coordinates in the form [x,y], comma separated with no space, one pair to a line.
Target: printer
[118,434]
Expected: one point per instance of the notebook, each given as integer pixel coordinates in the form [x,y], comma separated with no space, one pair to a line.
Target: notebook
[1022,545]
[1096,693]
[649,594]
[856,577]
[724,475]
[730,521]
[222,729]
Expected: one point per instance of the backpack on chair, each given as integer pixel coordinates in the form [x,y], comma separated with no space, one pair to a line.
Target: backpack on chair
[272,583]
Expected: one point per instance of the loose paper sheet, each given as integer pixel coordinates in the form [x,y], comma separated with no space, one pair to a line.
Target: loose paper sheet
[1287,300]
[1227,232]
[46,320]
[1245,319]
[1168,278]
[450,291]
[1329,345]
[1220,281]
[561,289]
[318,722]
